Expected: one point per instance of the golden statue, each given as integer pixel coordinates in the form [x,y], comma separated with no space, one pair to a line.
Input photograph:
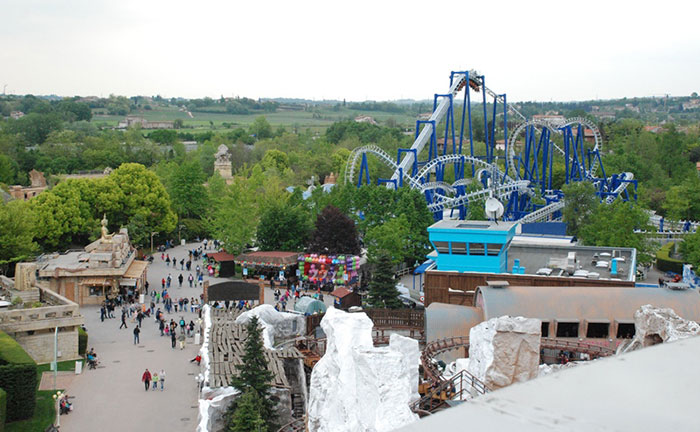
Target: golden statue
[106,236]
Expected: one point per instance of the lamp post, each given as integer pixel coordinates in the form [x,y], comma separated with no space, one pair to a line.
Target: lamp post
[179,238]
[57,398]
[152,234]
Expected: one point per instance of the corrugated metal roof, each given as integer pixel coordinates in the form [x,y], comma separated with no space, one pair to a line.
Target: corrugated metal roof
[557,302]
[136,269]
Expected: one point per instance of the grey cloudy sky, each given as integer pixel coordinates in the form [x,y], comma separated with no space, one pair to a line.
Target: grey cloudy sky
[357,50]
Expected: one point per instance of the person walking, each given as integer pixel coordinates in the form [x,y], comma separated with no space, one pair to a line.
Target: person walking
[102,310]
[161,326]
[180,279]
[181,338]
[123,320]
[190,278]
[146,378]
[182,264]
[161,378]
[155,381]
[137,330]
[139,318]
[172,338]
[167,260]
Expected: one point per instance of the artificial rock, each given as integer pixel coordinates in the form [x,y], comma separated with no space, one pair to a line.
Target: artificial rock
[505,350]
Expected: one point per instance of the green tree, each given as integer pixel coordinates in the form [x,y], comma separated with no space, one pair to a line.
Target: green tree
[382,288]
[138,191]
[187,191]
[17,231]
[275,159]
[234,219]
[261,128]
[614,224]
[690,249]
[580,201]
[283,226]
[335,234]
[253,373]
[245,414]
[8,170]
[390,239]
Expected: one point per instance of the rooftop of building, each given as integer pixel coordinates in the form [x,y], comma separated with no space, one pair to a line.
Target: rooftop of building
[472,225]
[591,262]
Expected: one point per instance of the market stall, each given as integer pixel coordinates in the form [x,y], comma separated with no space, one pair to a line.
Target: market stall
[329,270]
[277,265]
[224,264]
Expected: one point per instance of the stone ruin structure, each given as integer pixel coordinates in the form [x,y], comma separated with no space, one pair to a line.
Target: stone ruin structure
[222,165]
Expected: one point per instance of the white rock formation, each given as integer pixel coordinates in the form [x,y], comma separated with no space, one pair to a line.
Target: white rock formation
[408,347]
[276,325]
[659,325]
[505,350]
[548,369]
[356,387]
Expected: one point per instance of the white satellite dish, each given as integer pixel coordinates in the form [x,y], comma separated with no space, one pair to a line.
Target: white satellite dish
[493,208]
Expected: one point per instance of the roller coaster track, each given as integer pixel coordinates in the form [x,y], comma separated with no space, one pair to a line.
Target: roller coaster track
[381,154]
[433,349]
[557,129]
[626,177]
[541,214]
[444,202]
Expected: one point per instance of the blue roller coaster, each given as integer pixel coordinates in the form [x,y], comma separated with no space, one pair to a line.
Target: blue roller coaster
[523,177]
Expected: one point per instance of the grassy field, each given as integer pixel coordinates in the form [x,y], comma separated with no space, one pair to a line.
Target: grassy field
[317,120]
[68,365]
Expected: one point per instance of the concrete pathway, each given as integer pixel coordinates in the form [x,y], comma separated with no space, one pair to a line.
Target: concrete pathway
[112,397]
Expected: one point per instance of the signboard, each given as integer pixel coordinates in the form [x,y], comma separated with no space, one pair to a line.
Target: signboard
[281,275]
[233,291]
[245,271]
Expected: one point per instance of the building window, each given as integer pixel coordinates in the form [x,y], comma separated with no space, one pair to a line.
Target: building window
[96,290]
[442,247]
[625,330]
[598,330]
[493,249]
[459,248]
[545,328]
[567,329]
[477,249]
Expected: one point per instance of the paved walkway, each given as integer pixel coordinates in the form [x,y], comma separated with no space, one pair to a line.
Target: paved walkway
[112,397]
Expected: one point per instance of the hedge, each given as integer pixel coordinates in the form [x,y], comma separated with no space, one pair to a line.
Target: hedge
[82,341]
[3,406]
[18,377]
[664,262]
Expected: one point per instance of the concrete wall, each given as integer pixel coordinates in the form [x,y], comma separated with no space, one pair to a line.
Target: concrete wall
[33,328]
[40,345]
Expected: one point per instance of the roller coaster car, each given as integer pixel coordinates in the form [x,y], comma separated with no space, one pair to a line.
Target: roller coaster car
[474,85]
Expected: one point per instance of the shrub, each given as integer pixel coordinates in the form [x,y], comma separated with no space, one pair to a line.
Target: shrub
[664,262]
[82,341]
[3,407]
[18,377]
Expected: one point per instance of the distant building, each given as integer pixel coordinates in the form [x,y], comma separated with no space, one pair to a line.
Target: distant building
[94,174]
[692,104]
[653,129]
[16,115]
[604,115]
[38,185]
[365,119]
[145,124]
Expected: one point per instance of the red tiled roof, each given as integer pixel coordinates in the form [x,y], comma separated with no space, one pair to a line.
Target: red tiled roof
[221,256]
[341,292]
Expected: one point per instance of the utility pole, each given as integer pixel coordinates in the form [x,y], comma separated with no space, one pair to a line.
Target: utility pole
[152,234]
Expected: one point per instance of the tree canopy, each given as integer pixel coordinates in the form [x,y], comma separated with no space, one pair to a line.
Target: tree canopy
[335,234]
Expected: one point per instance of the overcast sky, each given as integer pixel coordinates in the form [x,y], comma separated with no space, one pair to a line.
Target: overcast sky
[357,50]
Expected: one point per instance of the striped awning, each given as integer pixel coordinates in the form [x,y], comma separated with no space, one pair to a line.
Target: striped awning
[95,281]
[136,269]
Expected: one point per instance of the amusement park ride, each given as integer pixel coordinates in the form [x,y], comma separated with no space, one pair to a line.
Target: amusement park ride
[521,181]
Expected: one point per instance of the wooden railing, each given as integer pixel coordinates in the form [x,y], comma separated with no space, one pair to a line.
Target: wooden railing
[399,319]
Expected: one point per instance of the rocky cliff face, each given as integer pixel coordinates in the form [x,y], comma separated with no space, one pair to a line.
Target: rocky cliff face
[659,325]
[505,350]
[357,387]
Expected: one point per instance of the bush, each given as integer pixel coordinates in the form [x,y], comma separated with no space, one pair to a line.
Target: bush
[664,262]
[3,407]
[82,341]
[18,377]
